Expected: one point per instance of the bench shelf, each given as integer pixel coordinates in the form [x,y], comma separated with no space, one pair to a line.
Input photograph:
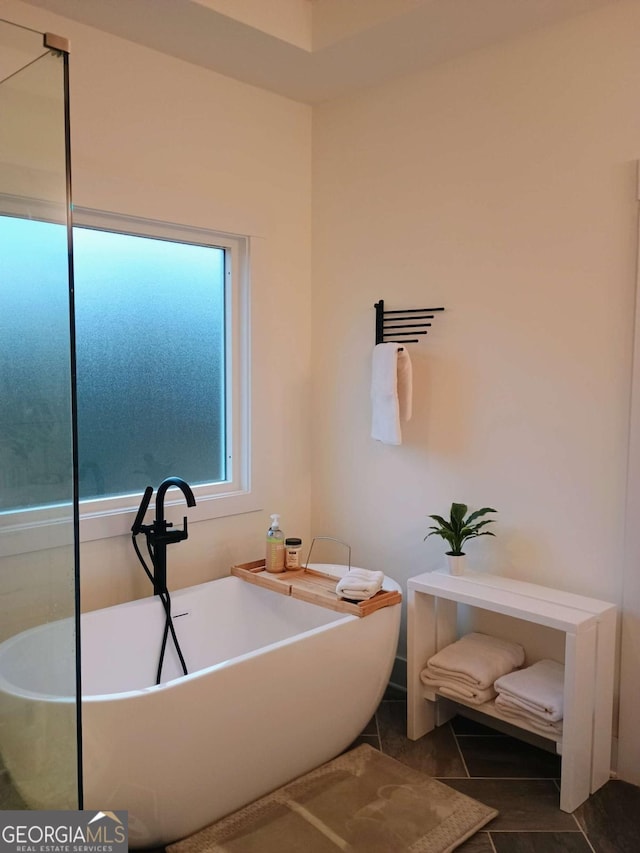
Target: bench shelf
[589,626]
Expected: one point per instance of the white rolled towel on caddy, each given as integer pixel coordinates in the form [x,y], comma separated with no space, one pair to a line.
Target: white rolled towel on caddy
[359,584]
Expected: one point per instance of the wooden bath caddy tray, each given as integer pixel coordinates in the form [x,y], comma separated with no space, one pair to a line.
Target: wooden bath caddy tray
[314,587]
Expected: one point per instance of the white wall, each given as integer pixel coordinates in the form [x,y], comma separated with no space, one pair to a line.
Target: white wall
[156,137]
[501,186]
[629,755]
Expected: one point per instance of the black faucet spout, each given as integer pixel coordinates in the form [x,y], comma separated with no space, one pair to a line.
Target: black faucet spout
[179,483]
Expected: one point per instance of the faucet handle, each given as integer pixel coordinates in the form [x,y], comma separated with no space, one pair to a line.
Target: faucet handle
[178,535]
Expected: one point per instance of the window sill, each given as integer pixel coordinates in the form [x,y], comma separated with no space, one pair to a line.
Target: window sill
[105,524]
[53,528]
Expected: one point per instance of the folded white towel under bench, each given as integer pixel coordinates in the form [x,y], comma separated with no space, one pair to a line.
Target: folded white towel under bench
[538,690]
[359,584]
[476,659]
[467,668]
[454,688]
[517,716]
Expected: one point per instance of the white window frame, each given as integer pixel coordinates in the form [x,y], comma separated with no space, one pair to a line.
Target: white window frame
[45,527]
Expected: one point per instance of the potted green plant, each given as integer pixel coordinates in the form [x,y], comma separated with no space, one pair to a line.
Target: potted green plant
[459,528]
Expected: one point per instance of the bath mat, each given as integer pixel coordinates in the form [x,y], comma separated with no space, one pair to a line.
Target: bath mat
[363,801]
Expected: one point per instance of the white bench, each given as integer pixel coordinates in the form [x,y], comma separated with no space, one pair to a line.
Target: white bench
[589,626]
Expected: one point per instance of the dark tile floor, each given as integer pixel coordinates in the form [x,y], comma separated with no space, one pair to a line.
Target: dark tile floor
[519,780]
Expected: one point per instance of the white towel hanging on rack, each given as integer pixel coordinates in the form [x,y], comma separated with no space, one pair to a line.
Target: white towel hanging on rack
[391,392]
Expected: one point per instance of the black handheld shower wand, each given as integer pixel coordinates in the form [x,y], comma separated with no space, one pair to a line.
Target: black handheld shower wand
[136,527]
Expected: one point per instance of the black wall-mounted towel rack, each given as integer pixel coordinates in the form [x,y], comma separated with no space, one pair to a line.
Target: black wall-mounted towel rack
[394,326]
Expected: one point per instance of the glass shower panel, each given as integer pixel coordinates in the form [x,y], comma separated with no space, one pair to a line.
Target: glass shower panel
[38,508]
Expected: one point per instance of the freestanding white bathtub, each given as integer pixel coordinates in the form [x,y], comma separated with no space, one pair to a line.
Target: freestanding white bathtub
[276,687]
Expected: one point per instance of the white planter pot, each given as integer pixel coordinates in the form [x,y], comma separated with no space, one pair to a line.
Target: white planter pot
[456,563]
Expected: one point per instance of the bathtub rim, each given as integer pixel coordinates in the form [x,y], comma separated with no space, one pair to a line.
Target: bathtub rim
[339,619]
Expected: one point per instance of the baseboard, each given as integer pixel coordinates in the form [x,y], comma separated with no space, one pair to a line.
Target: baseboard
[614,758]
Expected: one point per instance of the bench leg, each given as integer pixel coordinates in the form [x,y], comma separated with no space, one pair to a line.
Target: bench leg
[577,731]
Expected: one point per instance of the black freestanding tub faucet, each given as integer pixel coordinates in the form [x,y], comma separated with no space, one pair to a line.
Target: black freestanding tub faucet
[158,534]
[158,537]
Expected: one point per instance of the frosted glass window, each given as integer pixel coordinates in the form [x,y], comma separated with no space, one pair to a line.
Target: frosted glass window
[151,366]
[35,404]
[150,350]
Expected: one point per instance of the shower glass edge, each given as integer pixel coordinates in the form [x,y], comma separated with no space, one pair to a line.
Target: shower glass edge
[40,711]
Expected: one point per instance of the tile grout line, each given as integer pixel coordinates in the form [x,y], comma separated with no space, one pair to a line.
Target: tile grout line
[500,778]
[464,763]
[583,831]
[537,832]
[493,846]
[579,825]
[375,717]
[479,735]
[586,838]
[505,778]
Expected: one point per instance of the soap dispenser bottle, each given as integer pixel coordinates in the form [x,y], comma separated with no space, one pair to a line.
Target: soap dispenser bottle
[274,561]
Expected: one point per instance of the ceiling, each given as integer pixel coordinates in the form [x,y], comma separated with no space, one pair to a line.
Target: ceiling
[315,50]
